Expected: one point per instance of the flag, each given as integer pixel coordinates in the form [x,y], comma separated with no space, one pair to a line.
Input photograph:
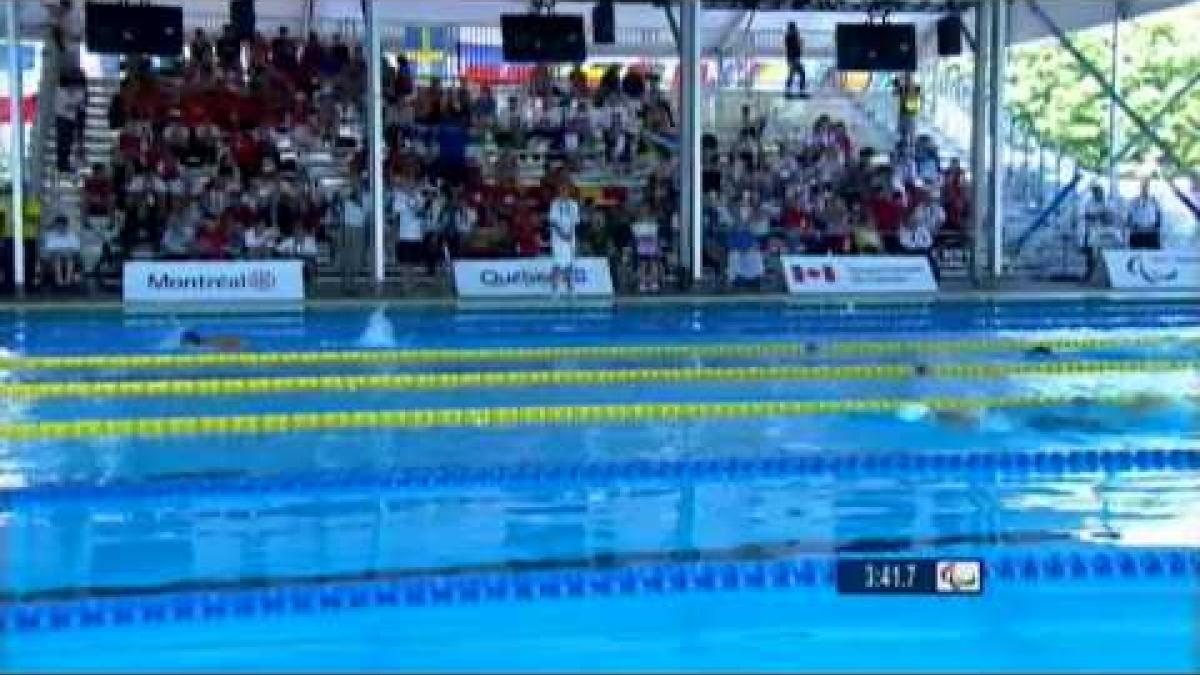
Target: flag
[811,274]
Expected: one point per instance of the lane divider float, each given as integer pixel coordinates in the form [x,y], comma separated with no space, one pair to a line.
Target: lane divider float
[482,418]
[430,381]
[525,476]
[1178,567]
[605,352]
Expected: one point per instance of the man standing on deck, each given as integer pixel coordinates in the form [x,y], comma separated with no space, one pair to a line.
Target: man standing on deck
[564,220]
[352,219]
[1098,228]
[1144,220]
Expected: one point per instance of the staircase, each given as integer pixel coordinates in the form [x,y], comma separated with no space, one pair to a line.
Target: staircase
[63,192]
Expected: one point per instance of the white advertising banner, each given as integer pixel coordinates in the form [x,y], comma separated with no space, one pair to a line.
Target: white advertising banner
[216,281]
[860,273]
[529,277]
[1152,269]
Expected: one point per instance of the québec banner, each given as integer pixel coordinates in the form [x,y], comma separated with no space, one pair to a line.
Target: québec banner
[529,277]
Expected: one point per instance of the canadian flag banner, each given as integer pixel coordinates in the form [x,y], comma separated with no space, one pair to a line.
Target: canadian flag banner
[824,273]
[863,274]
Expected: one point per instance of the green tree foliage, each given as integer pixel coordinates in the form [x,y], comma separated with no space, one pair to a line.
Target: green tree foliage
[1052,94]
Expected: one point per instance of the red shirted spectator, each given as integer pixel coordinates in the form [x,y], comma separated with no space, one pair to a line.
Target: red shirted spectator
[954,197]
[505,195]
[212,241]
[248,153]
[146,101]
[98,192]
[889,213]
[129,144]
[526,231]
[299,108]
[194,110]
[794,219]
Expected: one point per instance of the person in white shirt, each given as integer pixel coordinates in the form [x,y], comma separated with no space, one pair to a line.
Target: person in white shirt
[1098,228]
[406,210]
[60,250]
[95,237]
[300,244]
[1144,220]
[564,219]
[928,213]
[67,102]
[179,233]
[915,236]
[352,220]
[649,254]
[259,240]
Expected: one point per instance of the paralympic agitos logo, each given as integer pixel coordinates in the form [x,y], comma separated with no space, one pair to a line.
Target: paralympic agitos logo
[1137,266]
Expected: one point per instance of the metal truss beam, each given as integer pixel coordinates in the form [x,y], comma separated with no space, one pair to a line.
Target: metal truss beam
[1096,74]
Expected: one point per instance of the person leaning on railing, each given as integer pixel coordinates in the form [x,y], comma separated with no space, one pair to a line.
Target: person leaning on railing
[1144,220]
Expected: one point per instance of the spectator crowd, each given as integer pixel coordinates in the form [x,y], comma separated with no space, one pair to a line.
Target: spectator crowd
[213,160]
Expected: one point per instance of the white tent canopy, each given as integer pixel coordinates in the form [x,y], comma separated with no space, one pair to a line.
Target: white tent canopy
[718,24]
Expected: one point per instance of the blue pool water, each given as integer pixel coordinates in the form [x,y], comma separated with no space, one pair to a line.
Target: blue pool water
[700,544]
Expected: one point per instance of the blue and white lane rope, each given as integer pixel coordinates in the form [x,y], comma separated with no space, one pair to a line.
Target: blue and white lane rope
[1040,463]
[1179,567]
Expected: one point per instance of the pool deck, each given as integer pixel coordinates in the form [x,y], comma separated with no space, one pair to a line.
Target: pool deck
[393,298]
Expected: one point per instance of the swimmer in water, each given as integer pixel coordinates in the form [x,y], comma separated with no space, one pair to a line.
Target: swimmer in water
[220,343]
[1146,403]
[961,418]
[1040,351]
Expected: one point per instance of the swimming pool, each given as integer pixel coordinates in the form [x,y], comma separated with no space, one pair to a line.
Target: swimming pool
[645,488]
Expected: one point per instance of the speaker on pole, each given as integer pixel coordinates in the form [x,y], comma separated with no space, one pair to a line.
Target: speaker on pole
[241,17]
[604,23]
[949,35]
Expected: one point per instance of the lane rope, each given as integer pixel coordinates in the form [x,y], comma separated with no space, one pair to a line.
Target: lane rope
[479,418]
[1179,567]
[614,352]
[433,381]
[524,476]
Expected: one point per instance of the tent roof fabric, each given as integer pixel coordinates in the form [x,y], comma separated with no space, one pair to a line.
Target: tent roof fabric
[720,18]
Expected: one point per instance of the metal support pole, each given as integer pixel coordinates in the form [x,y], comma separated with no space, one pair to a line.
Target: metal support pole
[16,148]
[999,139]
[1094,72]
[979,143]
[1114,118]
[691,207]
[375,119]
[1041,179]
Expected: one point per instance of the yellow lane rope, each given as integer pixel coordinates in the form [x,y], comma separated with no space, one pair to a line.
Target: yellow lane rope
[428,381]
[524,416]
[621,352]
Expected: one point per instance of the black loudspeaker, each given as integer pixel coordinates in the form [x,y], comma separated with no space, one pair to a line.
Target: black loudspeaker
[604,23]
[241,17]
[949,36]
[876,47]
[133,29]
[532,38]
